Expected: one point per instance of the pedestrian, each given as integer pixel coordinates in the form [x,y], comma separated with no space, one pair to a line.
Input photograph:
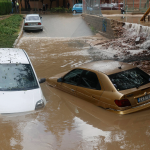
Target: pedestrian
[29,6]
[12,4]
[68,5]
[46,6]
[43,8]
[17,7]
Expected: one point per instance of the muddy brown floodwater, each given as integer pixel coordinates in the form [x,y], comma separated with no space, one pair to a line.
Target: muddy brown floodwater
[67,122]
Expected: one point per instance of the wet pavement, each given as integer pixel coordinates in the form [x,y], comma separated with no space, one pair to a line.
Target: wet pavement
[67,122]
[61,25]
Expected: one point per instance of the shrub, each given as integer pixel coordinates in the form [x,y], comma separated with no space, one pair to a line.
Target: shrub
[5,7]
[60,9]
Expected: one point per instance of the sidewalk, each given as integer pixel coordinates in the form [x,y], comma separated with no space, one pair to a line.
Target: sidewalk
[4,16]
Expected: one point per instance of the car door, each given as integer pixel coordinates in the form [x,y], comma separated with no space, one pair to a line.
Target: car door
[70,81]
[89,87]
[77,8]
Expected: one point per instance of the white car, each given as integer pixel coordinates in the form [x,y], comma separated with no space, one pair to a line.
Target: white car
[20,90]
[33,22]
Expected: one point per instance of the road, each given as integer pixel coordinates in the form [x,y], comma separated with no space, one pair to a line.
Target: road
[62,25]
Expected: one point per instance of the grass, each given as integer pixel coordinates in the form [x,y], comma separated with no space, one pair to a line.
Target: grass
[9,29]
[93,29]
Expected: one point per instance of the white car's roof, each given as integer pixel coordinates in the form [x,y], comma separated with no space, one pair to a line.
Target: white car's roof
[13,55]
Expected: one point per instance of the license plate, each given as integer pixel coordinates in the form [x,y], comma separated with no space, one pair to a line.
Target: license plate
[31,24]
[144,98]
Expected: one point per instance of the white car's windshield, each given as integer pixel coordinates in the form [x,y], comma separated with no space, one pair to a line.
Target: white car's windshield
[29,18]
[15,77]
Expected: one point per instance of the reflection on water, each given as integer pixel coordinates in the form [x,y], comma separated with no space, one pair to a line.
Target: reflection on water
[67,122]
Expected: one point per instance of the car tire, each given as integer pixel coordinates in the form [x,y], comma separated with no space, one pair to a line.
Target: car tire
[42,29]
[74,12]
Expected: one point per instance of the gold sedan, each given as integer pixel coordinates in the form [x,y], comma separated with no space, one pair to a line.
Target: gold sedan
[112,85]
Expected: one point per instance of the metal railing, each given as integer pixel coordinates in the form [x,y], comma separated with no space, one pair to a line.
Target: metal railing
[92,7]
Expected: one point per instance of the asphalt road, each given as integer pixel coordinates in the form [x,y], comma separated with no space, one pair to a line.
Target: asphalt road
[61,25]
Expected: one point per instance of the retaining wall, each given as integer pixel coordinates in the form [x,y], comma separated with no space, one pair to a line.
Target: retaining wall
[100,24]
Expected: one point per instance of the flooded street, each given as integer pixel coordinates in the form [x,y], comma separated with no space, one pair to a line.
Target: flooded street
[62,25]
[67,122]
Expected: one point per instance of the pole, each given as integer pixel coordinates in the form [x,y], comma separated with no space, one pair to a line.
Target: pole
[19,6]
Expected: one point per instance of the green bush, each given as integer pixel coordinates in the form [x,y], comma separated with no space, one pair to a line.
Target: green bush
[69,10]
[9,29]
[5,7]
[60,9]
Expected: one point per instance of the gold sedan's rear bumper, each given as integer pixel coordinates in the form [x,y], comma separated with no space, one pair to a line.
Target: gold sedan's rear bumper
[131,110]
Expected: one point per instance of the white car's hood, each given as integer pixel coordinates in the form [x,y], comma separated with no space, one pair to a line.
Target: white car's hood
[19,101]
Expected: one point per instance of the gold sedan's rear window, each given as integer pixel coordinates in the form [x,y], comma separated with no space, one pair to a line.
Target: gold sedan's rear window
[128,79]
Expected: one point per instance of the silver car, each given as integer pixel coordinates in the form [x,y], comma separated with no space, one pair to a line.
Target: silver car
[33,22]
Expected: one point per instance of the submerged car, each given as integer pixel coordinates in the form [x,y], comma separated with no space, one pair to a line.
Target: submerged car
[115,86]
[20,90]
[77,8]
[33,22]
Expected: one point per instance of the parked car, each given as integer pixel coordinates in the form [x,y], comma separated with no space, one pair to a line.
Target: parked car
[109,7]
[33,22]
[20,90]
[115,86]
[77,8]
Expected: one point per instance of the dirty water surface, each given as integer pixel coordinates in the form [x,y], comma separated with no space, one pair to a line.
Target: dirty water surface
[67,122]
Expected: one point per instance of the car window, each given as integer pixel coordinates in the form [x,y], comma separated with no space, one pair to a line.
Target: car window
[76,5]
[15,77]
[73,76]
[129,79]
[29,18]
[90,80]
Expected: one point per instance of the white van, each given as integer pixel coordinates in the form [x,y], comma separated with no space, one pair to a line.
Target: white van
[20,90]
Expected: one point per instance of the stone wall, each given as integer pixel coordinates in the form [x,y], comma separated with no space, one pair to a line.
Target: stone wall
[107,27]
[100,24]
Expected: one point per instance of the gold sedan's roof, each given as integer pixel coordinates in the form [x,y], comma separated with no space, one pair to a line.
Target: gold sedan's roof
[107,66]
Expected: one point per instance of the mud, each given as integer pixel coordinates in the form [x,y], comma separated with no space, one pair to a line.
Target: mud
[130,19]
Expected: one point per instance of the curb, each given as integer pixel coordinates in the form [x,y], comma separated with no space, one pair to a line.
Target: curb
[19,36]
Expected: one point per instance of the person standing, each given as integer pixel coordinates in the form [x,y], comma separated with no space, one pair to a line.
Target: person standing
[17,7]
[68,5]
[46,6]
[12,6]
[43,8]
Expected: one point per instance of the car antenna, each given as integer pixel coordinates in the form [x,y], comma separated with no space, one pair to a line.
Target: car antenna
[120,66]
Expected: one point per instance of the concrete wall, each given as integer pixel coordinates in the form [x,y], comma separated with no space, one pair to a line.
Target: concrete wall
[101,24]
[108,12]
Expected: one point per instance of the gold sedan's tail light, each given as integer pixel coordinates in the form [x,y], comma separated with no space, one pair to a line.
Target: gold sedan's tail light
[122,103]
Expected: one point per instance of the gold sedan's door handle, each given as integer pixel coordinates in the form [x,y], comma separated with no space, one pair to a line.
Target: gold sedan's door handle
[72,90]
[93,96]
